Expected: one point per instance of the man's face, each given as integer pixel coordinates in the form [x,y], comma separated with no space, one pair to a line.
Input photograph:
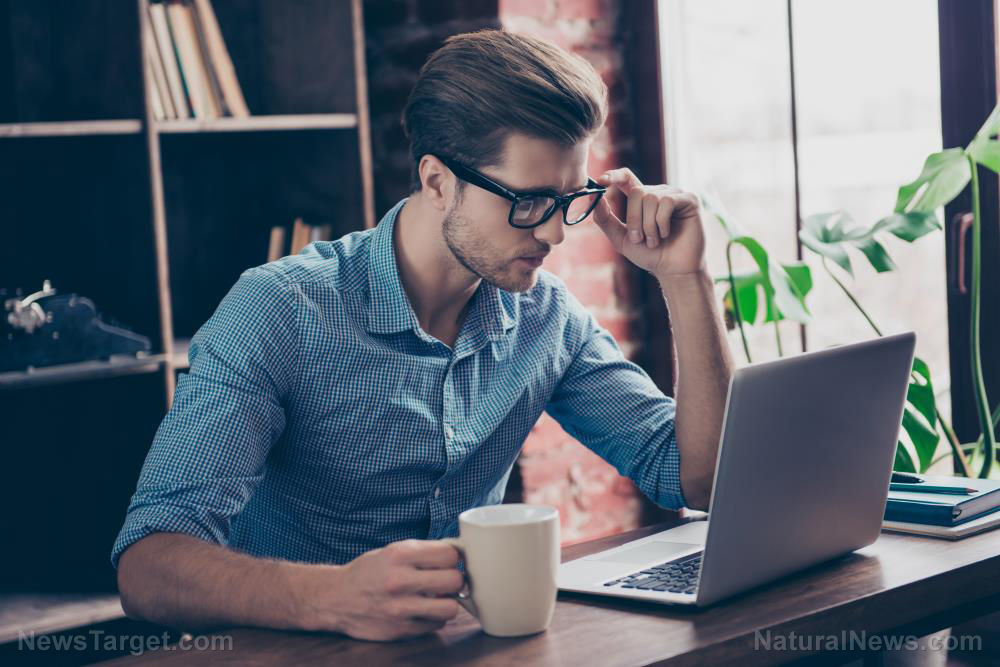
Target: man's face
[475,225]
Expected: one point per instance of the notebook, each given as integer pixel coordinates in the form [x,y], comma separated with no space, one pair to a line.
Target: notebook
[941,509]
[978,525]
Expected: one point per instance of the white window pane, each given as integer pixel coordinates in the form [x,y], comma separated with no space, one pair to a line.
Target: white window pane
[729,129]
[868,98]
[868,93]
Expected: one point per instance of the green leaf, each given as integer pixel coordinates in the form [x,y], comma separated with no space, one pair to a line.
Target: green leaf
[823,234]
[992,124]
[903,462]
[751,287]
[730,225]
[787,297]
[876,254]
[986,152]
[746,291]
[924,438]
[800,275]
[943,177]
[908,226]
[920,393]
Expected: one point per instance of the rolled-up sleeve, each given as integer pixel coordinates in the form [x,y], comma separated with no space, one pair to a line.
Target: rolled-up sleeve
[209,452]
[613,407]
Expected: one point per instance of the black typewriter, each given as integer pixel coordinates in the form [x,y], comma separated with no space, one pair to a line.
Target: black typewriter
[46,328]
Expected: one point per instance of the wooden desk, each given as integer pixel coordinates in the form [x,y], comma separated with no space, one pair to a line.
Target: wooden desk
[900,585]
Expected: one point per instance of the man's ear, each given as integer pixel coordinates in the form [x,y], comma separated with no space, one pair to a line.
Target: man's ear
[436,181]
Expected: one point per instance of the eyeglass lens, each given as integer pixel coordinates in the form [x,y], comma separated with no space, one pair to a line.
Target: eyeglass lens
[530,210]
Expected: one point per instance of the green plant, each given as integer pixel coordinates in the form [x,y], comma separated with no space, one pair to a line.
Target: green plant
[784,287]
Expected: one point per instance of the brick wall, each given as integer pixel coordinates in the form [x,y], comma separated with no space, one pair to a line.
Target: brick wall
[555,469]
[399,35]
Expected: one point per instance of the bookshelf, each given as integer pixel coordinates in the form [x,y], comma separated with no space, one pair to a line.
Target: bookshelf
[154,220]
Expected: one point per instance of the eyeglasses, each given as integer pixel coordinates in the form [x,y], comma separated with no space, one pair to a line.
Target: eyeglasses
[530,209]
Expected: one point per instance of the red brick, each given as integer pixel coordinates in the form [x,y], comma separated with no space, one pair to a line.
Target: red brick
[535,8]
[583,9]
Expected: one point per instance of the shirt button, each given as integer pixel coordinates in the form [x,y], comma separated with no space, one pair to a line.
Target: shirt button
[449,432]
[437,492]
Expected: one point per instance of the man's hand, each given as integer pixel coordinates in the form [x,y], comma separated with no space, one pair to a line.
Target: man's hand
[662,232]
[388,593]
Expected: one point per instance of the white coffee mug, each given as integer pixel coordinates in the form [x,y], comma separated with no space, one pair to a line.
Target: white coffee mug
[511,555]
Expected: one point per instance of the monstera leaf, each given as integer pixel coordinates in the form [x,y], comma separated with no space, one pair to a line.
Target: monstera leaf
[751,286]
[919,421]
[945,174]
[986,152]
[778,285]
[830,234]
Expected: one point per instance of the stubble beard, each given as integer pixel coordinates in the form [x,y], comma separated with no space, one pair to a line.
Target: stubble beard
[475,255]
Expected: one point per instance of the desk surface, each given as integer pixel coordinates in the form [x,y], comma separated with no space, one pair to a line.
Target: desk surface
[899,584]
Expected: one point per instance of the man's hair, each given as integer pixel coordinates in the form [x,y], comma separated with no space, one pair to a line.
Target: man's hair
[482,86]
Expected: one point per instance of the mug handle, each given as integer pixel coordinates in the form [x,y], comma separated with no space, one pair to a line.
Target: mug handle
[464,597]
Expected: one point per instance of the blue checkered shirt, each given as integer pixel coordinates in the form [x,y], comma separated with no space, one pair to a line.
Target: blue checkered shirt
[318,421]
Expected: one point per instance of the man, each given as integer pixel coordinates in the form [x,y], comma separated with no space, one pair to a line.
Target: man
[343,406]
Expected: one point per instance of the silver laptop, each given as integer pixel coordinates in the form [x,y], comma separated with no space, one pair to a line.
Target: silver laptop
[802,476]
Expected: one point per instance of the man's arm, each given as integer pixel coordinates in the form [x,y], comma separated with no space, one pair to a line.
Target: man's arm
[208,456]
[181,581]
[663,233]
[705,366]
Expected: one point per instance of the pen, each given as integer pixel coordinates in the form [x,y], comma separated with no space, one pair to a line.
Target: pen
[927,488]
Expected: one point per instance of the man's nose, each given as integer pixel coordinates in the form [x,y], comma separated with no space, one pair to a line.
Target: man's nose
[551,231]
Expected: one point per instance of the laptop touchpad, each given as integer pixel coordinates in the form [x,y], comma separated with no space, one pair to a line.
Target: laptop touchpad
[647,552]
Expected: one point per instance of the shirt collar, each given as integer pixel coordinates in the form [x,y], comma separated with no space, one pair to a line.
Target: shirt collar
[389,310]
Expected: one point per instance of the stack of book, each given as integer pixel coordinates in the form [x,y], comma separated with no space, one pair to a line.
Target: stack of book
[302,234]
[187,63]
[949,507]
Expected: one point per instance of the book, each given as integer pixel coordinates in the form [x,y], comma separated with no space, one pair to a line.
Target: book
[183,30]
[220,62]
[944,509]
[154,92]
[275,249]
[978,525]
[300,236]
[168,56]
[214,89]
[156,75]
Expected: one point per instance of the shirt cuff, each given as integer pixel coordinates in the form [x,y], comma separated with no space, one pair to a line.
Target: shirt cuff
[157,519]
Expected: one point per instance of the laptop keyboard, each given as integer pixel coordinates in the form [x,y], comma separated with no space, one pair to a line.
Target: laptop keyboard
[676,576]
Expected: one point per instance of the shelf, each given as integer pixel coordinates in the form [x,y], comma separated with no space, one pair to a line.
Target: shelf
[319,121]
[84,370]
[74,128]
[71,128]
[180,358]
[45,613]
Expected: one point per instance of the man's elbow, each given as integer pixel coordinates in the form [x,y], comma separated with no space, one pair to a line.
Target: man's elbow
[697,490]
[131,588]
[126,592]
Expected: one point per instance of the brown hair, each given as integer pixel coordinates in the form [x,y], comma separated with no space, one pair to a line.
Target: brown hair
[481,86]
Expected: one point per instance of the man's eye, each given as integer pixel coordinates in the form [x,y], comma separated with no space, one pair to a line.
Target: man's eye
[532,209]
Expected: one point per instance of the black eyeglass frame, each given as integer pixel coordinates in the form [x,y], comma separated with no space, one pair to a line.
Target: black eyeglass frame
[478,179]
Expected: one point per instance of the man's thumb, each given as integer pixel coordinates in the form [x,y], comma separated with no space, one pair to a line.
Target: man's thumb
[609,223]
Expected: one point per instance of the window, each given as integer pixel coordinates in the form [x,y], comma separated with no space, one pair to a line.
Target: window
[867,110]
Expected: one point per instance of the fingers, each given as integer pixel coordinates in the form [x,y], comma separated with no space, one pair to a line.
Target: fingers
[435,582]
[425,554]
[419,608]
[633,216]
[623,179]
[663,221]
[649,210]
[650,204]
